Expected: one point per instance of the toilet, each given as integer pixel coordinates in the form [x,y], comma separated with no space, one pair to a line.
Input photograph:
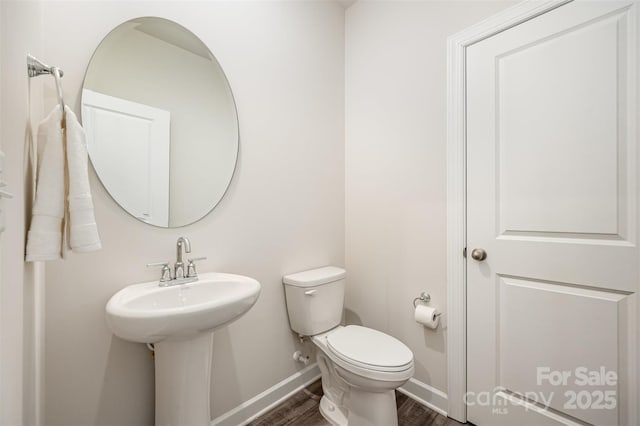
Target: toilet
[361,367]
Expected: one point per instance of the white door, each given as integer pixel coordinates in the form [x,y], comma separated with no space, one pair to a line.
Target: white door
[128,143]
[552,199]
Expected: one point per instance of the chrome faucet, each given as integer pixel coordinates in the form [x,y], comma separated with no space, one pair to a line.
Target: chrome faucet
[179,276]
[179,266]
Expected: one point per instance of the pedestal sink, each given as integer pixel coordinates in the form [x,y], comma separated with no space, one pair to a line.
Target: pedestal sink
[179,320]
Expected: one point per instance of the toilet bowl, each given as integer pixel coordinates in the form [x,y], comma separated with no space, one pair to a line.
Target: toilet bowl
[359,381]
[361,367]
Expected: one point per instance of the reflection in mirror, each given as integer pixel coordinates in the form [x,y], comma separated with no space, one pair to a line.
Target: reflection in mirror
[161,123]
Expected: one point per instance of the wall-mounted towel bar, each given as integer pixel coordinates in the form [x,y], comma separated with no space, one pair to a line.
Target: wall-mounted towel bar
[36,68]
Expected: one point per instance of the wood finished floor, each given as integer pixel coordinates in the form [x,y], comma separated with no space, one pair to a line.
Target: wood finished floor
[302,409]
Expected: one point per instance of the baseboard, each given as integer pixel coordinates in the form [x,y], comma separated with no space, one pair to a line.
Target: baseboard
[426,395]
[260,404]
[244,413]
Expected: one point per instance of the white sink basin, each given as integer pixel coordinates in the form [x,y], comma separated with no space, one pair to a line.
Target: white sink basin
[148,313]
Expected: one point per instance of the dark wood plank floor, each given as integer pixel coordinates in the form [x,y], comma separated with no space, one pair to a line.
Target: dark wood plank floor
[302,409]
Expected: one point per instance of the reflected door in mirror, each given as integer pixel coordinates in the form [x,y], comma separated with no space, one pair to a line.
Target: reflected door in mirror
[136,138]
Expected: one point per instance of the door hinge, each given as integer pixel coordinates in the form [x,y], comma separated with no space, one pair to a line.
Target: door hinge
[464,252]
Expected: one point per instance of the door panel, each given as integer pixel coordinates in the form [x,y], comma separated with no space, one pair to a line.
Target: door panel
[136,137]
[567,198]
[552,198]
[566,327]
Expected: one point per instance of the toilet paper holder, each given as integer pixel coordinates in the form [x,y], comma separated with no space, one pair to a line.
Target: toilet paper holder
[424,297]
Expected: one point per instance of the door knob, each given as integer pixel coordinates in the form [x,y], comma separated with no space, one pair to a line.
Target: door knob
[478,254]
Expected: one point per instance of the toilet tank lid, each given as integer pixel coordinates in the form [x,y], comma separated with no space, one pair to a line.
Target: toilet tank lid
[315,277]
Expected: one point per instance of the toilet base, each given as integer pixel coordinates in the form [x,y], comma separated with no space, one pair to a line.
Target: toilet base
[372,408]
[367,409]
[332,413]
[352,399]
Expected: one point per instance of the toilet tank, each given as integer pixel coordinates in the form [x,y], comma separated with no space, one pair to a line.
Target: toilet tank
[315,299]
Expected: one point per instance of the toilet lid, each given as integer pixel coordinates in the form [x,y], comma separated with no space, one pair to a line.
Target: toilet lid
[370,349]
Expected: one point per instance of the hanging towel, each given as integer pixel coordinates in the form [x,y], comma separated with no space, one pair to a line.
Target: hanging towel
[46,237]
[83,230]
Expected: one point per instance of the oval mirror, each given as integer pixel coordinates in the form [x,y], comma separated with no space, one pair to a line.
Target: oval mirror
[161,122]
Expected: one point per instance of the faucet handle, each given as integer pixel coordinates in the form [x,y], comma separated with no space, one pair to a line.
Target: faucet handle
[166,270]
[191,267]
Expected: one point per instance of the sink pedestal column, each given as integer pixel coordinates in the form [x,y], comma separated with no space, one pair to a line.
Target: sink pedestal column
[183,381]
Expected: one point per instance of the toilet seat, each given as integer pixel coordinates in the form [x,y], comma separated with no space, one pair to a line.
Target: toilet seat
[369,349]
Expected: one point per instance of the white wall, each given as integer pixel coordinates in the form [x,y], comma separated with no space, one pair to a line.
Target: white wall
[395,166]
[283,213]
[19,352]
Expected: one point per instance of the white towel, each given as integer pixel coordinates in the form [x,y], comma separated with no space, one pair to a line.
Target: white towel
[82,223]
[45,236]
[44,240]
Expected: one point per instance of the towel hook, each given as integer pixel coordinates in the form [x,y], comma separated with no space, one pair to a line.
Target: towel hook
[57,76]
[36,68]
